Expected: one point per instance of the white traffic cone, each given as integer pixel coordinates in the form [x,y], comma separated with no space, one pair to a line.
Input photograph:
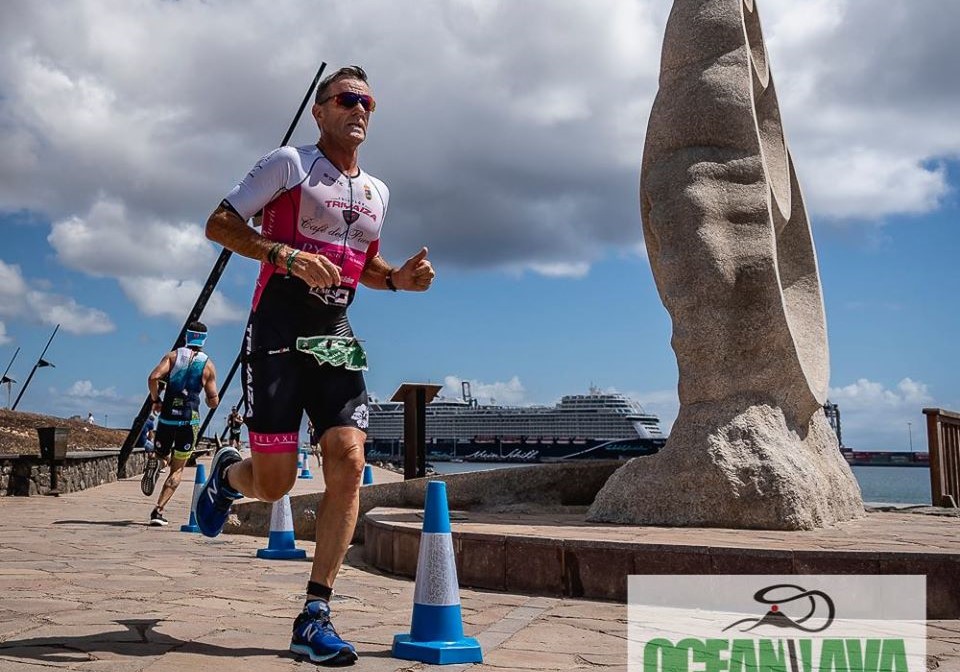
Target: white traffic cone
[305,468]
[281,545]
[436,631]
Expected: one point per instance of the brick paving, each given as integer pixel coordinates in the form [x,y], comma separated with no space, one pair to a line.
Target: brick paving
[85,584]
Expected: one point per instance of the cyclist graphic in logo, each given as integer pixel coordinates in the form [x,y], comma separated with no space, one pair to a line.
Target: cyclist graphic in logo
[786,593]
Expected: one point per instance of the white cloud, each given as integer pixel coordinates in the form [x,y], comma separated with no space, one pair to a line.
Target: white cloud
[107,405]
[175,298]
[84,389]
[158,264]
[13,288]
[867,113]
[875,417]
[872,416]
[18,300]
[866,394]
[864,184]
[510,393]
[111,241]
[71,316]
[562,270]
[524,157]
[4,339]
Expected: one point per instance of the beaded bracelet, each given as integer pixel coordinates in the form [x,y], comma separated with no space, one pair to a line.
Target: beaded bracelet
[290,257]
[272,254]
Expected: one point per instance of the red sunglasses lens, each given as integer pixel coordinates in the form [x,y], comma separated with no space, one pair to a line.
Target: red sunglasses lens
[348,99]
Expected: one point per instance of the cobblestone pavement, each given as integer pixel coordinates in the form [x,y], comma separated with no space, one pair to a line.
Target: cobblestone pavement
[86,584]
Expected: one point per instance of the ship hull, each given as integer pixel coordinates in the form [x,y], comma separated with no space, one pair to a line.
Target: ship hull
[496,450]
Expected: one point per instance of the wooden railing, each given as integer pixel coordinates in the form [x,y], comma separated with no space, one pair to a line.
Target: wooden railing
[943,440]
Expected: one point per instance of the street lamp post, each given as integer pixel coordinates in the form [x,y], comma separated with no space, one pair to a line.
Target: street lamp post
[41,362]
[910,431]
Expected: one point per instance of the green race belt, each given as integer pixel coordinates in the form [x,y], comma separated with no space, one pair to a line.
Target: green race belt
[342,351]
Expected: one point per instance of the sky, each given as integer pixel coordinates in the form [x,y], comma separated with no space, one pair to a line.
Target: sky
[510,135]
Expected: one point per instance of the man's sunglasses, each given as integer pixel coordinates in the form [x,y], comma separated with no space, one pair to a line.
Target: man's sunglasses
[349,99]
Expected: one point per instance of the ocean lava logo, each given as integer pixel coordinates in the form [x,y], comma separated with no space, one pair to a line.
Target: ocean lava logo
[786,593]
[698,625]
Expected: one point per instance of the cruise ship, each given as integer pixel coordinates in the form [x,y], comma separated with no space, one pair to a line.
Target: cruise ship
[597,425]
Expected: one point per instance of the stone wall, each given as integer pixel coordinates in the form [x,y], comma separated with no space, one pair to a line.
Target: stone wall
[541,487]
[24,475]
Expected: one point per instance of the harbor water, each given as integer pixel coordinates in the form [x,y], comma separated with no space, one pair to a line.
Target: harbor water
[880,485]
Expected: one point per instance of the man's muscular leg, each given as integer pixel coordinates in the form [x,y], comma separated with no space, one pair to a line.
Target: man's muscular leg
[172,481]
[343,461]
[264,476]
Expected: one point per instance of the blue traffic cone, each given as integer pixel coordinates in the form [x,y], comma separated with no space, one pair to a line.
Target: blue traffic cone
[367,474]
[198,482]
[281,545]
[436,631]
[305,468]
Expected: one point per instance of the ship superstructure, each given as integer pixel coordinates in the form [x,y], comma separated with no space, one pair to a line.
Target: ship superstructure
[575,427]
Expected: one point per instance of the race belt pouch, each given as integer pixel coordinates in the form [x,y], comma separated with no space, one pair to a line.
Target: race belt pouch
[344,351]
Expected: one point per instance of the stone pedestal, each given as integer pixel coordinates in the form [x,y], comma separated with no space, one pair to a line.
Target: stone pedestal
[746,469]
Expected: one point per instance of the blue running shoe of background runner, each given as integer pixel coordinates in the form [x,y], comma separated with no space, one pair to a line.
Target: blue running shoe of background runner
[213,504]
[314,636]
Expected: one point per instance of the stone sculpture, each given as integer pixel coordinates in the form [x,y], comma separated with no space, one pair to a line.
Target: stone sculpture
[733,258]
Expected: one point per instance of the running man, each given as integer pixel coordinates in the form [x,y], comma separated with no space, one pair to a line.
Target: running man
[188,370]
[234,423]
[322,217]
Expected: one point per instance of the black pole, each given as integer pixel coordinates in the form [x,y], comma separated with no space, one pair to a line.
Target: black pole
[34,369]
[7,370]
[303,104]
[194,315]
[421,410]
[223,389]
[9,381]
[286,139]
[201,303]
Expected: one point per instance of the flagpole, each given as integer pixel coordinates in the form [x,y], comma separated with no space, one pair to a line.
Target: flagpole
[40,362]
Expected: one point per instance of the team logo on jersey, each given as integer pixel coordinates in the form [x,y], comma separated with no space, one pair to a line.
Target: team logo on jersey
[350,216]
[367,192]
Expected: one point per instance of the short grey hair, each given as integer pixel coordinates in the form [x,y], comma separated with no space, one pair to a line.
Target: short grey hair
[349,72]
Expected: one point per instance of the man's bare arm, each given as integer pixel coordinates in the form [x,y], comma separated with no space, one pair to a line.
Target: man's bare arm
[210,384]
[160,371]
[374,274]
[227,228]
[416,274]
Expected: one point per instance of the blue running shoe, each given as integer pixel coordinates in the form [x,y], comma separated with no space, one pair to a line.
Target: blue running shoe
[315,637]
[213,504]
